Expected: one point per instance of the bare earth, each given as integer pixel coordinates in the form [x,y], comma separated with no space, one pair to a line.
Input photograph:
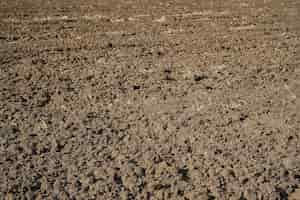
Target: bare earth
[169,99]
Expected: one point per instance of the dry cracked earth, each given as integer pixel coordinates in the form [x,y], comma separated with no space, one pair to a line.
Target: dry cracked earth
[150,99]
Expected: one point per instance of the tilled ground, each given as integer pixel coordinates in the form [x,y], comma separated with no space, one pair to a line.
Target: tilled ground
[149,99]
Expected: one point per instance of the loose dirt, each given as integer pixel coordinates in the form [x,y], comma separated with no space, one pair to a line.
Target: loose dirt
[149,99]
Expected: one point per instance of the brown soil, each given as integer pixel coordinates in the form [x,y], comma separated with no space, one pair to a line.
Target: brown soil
[149,99]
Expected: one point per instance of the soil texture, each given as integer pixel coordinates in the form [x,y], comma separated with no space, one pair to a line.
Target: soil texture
[162,99]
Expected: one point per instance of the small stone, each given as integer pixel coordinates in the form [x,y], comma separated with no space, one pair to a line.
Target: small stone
[200,77]
[161,20]
[291,163]
[140,171]
[99,174]
[136,87]
[250,194]
[123,195]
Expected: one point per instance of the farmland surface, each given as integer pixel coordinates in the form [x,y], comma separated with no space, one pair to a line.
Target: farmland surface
[162,99]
